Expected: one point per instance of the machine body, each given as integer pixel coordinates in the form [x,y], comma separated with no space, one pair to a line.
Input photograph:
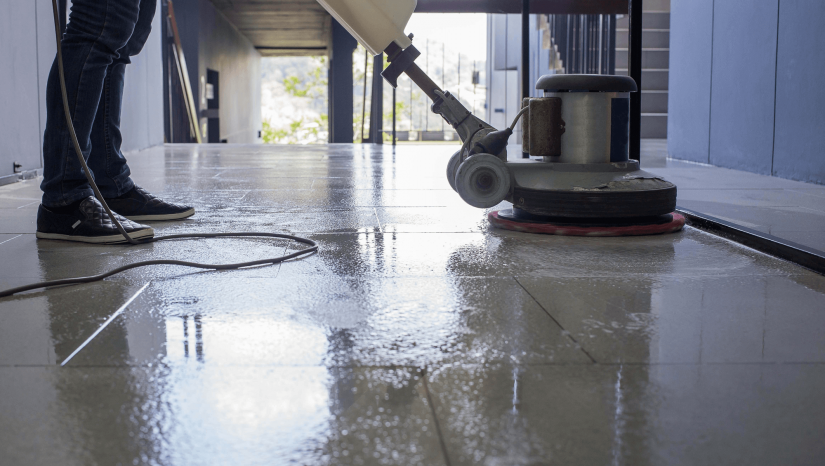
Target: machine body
[577,134]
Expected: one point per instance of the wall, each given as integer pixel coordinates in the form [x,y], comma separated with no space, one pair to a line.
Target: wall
[210,41]
[745,85]
[28,25]
[27,35]
[142,117]
[503,71]
[504,67]
[225,50]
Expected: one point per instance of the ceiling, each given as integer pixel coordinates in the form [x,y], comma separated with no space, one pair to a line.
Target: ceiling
[302,27]
[280,27]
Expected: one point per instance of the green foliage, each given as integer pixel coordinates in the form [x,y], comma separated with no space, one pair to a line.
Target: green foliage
[315,83]
[272,135]
[400,112]
[303,130]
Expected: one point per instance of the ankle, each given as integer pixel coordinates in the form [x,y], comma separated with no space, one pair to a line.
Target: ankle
[124,195]
[66,209]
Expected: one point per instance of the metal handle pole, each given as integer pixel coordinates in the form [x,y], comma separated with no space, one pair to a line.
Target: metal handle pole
[635,70]
[525,56]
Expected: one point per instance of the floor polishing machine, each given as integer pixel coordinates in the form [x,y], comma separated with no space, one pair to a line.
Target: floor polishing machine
[579,180]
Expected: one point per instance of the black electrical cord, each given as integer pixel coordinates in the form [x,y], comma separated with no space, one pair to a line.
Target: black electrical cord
[313,247]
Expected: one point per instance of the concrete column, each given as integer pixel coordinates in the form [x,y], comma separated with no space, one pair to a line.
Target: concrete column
[340,85]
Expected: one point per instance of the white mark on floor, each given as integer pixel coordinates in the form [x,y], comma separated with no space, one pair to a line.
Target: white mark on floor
[4,242]
[244,196]
[30,203]
[380,229]
[105,324]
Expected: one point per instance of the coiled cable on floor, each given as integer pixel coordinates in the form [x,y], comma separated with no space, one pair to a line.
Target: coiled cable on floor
[313,247]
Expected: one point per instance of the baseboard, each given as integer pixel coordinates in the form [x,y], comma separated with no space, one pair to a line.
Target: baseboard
[22,176]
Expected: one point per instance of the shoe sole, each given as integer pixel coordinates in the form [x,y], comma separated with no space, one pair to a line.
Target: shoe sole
[109,239]
[159,218]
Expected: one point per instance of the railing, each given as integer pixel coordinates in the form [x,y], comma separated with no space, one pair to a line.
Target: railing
[583,43]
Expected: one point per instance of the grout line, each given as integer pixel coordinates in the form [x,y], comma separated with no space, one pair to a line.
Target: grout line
[278,271]
[380,228]
[4,242]
[435,418]
[105,324]
[569,335]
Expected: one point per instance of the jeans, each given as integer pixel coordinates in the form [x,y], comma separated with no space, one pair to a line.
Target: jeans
[100,38]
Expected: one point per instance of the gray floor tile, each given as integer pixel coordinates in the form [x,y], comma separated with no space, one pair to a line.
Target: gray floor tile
[17,202]
[17,221]
[753,198]
[765,203]
[6,239]
[687,320]
[807,237]
[46,327]
[432,219]
[497,253]
[191,415]
[707,352]
[421,322]
[641,415]
[358,219]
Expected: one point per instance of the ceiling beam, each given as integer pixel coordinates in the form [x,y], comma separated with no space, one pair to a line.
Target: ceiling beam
[547,7]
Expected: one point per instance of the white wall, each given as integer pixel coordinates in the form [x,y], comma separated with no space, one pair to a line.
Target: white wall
[27,52]
[224,49]
[26,35]
[142,118]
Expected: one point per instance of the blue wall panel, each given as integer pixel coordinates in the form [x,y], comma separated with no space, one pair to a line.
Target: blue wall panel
[689,96]
[800,92]
[743,84]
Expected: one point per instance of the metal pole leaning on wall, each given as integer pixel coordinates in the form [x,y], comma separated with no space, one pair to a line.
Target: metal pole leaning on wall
[183,76]
[635,70]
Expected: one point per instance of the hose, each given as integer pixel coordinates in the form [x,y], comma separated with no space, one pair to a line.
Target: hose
[518,116]
[313,247]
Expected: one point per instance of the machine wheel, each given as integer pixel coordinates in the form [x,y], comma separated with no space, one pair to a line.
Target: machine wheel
[483,180]
[452,168]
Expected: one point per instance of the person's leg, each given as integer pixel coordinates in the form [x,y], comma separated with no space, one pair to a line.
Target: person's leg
[106,160]
[112,173]
[96,31]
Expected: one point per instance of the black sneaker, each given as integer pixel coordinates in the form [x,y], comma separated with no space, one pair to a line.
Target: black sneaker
[87,223]
[140,206]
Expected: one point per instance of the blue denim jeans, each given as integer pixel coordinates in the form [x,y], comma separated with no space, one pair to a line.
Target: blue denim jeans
[100,38]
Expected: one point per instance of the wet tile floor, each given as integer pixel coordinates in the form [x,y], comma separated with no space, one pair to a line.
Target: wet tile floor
[417,335]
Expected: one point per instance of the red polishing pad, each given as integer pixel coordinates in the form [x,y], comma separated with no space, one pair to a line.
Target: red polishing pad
[675,223]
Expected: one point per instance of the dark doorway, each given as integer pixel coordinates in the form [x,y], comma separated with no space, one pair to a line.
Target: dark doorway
[213,106]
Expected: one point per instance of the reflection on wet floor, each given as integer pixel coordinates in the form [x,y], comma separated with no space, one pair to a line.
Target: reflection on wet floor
[417,335]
